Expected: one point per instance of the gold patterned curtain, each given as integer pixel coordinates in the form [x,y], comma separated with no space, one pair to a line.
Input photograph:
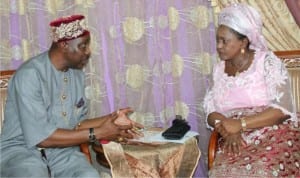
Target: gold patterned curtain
[280,29]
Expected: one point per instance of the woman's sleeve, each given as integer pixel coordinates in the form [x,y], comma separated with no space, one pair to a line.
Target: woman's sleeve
[279,86]
[209,106]
[208,102]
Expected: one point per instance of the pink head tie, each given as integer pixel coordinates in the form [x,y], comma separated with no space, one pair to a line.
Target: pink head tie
[68,28]
[245,20]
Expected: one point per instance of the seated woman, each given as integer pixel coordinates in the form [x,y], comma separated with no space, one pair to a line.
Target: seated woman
[250,103]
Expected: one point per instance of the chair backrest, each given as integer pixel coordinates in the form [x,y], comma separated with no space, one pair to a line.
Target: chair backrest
[292,61]
[4,78]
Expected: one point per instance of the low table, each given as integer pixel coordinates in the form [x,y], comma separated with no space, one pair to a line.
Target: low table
[150,160]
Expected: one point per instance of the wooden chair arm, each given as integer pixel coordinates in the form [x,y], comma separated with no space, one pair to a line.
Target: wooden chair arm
[212,148]
[84,148]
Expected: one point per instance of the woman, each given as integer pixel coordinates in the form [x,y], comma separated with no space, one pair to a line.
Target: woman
[250,103]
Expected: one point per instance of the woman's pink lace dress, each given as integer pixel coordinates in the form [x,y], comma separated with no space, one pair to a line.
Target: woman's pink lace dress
[271,151]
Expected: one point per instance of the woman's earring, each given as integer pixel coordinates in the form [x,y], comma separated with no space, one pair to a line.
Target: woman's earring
[242,50]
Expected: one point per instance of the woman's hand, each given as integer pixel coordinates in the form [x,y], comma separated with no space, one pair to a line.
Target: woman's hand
[228,126]
[233,144]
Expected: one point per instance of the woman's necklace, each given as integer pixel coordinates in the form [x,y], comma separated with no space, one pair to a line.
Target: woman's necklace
[240,68]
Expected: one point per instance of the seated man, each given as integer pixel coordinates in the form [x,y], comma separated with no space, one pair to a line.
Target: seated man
[45,115]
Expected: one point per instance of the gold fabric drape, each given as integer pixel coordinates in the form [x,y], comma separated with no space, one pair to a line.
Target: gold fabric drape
[280,29]
[165,160]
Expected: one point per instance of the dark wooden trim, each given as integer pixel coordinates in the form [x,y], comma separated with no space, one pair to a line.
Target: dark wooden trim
[288,54]
[212,148]
[5,75]
[7,72]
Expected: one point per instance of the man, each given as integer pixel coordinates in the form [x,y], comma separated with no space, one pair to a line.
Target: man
[45,115]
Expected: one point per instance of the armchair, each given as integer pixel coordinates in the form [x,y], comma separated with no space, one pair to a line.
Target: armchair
[4,78]
[292,61]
